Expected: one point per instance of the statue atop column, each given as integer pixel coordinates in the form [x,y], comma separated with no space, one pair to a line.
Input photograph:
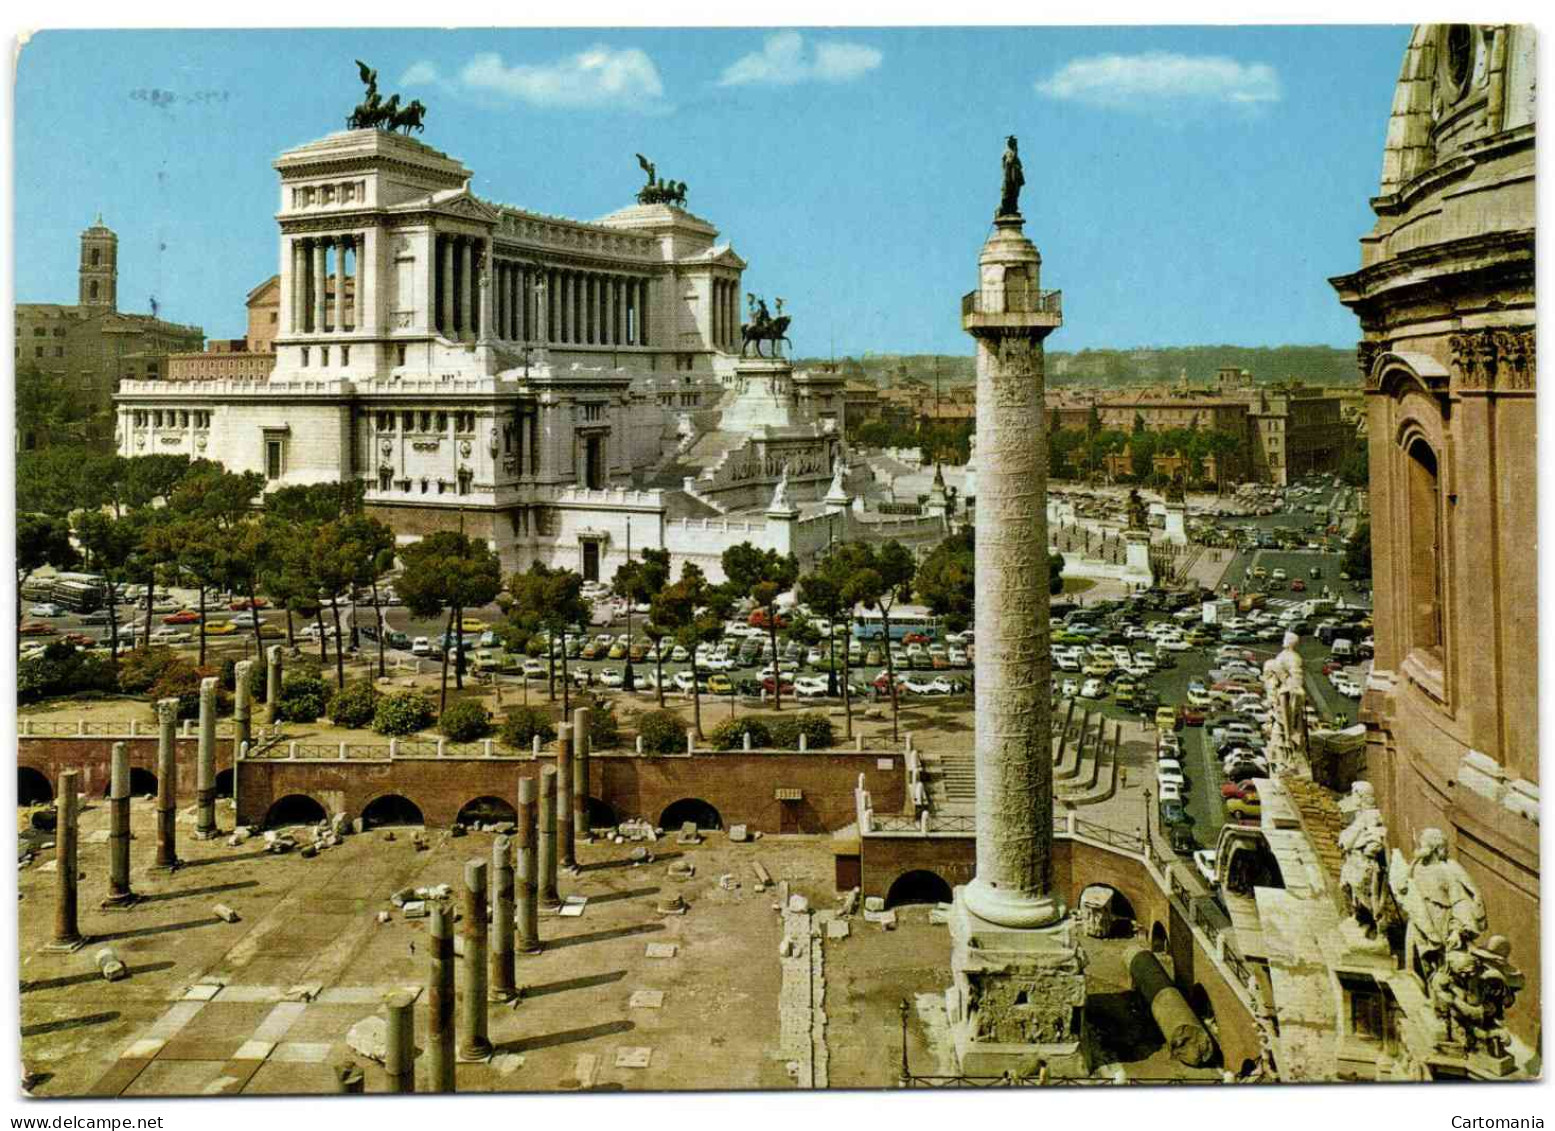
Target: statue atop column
[1014,178]
[1138,514]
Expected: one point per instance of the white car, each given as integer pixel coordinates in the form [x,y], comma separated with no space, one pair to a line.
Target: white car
[810,687]
[1204,861]
[421,646]
[169,636]
[1169,791]
[1070,689]
[684,680]
[610,677]
[46,609]
[718,663]
[680,655]
[1172,644]
[1170,777]
[958,660]
[1093,689]
[535,669]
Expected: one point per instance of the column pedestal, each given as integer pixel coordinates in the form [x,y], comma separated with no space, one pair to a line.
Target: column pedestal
[1017,1000]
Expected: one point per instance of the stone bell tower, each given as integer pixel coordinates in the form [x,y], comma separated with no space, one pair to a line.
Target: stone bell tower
[99,270]
[1018,1000]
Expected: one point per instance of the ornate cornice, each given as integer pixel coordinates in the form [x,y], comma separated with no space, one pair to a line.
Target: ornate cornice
[1494,360]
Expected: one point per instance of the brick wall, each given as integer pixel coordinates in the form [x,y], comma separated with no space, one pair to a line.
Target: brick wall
[91,756]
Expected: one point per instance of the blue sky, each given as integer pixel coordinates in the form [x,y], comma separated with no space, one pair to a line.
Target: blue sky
[1184,184]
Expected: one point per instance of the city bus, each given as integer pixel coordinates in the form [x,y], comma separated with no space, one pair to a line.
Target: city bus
[78,592]
[868,624]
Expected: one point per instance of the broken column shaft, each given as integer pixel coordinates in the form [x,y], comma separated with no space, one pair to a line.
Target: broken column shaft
[548,896]
[67,931]
[167,783]
[399,1059]
[503,981]
[205,766]
[274,674]
[440,1003]
[242,708]
[528,872]
[119,893]
[582,749]
[565,852]
[473,1042]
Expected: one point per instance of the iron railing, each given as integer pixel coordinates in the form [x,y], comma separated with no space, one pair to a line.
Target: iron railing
[1013,300]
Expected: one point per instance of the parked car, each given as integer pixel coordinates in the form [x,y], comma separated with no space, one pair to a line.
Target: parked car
[46,609]
[1093,689]
[421,646]
[1181,839]
[243,603]
[36,628]
[1172,811]
[1204,861]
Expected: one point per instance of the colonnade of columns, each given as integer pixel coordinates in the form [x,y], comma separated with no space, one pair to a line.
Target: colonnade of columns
[593,308]
[456,289]
[726,314]
[317,306]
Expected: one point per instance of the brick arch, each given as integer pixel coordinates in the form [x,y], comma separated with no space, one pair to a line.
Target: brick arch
[486,809]
[33,786]
[286,806]
[918,885]
[387,794]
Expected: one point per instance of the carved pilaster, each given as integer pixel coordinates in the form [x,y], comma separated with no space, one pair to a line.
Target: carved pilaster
[1494,359]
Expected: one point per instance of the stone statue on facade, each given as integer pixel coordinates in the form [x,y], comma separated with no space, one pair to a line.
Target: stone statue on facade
[762,327]
[1284,680]
[1138,515]
[659,191]
[1470,993]
[376,113]
[1014,178]
[780,492]
[1363,877]
[1441,901]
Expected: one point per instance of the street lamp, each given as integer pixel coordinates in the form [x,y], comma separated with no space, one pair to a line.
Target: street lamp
[906,1074]
[629,677]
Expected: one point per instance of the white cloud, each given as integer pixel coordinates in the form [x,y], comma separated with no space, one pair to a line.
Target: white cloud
[1146,82]
[783,61]
[600,77]
[421,73]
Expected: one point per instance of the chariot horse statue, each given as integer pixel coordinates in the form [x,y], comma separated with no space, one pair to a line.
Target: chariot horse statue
[763,327]
[374,113]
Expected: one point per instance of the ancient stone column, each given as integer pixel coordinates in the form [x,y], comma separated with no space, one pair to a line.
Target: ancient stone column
[67,930]
[473,1042]
[119,893]
[503,979]
[445,292]
[566,854]
[274,674]
[1013,750]
[582,748]
[167,783]
[466,290]
[548,896]
[399,1059]
[242,708]
[528,880]
[440,1003]
[205,766]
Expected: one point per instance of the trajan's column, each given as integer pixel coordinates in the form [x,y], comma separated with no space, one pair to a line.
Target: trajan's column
[1018,1000]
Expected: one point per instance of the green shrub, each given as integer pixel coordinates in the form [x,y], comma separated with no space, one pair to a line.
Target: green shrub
[302,698]
[815,726]
[404,712]
[141,668]
[604,727]
[730,734]
[521,726]
[63,670]
[353,705]
[663,732]
[465,721]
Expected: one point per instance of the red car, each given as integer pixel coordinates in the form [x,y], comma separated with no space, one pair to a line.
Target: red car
[1298,586]
[1190,716]
[766,685]
[1244,791]
[758,619]
[915,638]
[36,628]
[240,605]
[183,616]
[79,639]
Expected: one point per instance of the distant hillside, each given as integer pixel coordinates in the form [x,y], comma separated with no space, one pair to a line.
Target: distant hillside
[1316,365]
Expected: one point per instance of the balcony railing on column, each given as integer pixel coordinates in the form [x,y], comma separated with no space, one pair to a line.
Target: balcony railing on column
[1015,300]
